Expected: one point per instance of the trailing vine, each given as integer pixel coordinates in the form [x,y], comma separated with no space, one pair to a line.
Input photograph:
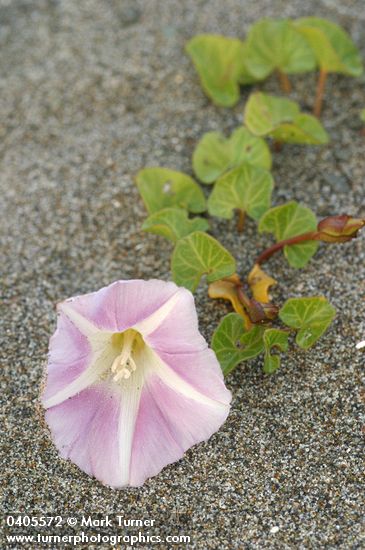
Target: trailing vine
[239,168]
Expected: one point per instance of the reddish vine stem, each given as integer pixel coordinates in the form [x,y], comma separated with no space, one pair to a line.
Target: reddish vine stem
[239,286]
[266,254]
[257,312]
[320,93]
[244,299]
[241,294]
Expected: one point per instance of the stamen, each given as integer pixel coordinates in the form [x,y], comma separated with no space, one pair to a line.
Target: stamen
[124,364]
[132,364]
[123,373]
[116,364]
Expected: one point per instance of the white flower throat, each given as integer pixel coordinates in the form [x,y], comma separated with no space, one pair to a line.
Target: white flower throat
[124,364]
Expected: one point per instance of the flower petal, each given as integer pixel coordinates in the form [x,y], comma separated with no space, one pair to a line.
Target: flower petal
[93,371]
[85,429]
[201,370]
[177,331]
[122,304]
[168,423]
[174,414]
[69,356]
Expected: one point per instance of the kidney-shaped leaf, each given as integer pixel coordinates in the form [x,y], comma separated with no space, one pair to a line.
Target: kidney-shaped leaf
[219,61]
[263,113]
[310,316]
[332,46]
[280,118]
[276,44]
[304,129]
[200,254]
[247,188]
[290,220]
[233,344]
[162,188]
[173,224]
[246,78]
[277,339]
[215,154]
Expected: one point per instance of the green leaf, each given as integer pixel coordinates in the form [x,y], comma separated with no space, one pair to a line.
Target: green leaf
[288,221]
[274,338]
[200,254]
[233,344]
[215,154]
[245,78]
[310,316]
[332,46]
[304,129]
[247,188]
[162,188]
[219,63]
[280,118]
[263,113]
[276,44]
[173,224]
[362,115]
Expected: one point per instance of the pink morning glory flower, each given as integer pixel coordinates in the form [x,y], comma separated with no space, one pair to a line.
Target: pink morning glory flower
[131,383]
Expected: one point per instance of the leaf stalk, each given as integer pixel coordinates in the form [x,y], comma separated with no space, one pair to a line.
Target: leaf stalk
[285,83]
[241,220]
[320,92]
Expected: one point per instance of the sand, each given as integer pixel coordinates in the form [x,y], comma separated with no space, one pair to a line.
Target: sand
[91,92]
